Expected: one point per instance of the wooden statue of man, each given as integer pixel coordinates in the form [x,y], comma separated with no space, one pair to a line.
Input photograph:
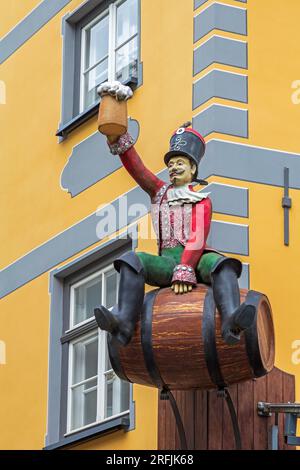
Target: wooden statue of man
[181,218]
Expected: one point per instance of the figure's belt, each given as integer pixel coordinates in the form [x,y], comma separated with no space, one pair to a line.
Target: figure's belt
[170,243]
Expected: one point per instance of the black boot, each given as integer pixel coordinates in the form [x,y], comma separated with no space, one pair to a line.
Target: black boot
[235,317]
[120,322]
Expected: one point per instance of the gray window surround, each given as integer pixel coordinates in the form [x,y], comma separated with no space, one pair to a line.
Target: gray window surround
[60,281]
[71,28]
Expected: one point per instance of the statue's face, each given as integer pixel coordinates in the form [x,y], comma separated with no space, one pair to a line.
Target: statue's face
[181,170]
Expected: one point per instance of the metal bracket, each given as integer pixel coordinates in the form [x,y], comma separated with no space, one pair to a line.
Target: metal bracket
[292,414]
[290,429]
[224,393]
[286,204]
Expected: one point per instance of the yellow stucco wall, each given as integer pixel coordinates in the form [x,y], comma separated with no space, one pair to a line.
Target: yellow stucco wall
[34,207]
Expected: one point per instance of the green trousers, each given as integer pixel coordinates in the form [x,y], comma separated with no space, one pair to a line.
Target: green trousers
[159,269]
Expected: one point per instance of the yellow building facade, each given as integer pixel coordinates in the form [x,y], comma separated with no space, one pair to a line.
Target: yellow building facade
[231,68]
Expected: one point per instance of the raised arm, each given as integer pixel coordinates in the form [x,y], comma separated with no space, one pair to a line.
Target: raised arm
[112,122]
[131,160]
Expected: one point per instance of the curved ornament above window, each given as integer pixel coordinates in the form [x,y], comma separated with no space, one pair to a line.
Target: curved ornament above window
[91,161]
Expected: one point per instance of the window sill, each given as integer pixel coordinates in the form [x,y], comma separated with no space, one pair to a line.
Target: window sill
[115,424]
[66,128]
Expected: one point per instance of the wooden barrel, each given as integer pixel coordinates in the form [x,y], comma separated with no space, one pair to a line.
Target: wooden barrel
[177,343]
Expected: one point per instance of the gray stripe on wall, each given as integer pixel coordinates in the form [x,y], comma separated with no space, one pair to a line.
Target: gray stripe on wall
[223,119]
[226,159]
[221,50]
[248,163]
[83,234]
[198,3]
[91,161]
[55,360]
[219,16]
[30,25]
[68,243]
[220,84]
[227,199]
[244,280]
[244,1]
[229,238]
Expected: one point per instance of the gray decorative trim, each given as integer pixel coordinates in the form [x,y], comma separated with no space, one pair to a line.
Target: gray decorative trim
[68,69]
[93,255]
[244,280]
[91,161]
[57,327]
[221,50]
[29,26]
[226,159]
[83,10]
[80,331]
[244,1]
[220,84]
[199,3]
[227,199]
[115,424]
[249,163]
[220,16]
[72,241]
[54,360]
[75,239]
[229,238]
[223,119]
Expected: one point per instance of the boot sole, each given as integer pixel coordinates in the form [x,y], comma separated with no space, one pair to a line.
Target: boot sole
[105,320]
[230,338]
[244,318]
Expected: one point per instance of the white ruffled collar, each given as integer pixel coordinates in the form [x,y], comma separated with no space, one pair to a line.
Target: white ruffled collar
[184,195]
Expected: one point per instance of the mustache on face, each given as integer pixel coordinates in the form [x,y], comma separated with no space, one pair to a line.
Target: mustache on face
[176,172]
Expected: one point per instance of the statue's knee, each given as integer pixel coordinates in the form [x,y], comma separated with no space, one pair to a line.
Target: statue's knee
[231,264]
[130,258]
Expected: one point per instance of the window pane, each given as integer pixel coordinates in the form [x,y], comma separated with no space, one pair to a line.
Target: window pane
[109,400]
[90,407]
[111,280]
[107,362]
[117,395]
[84,404]
[127,14]
[85,359]
[93,79]
[96,42]
[124,396]
[127,61]
[86,297]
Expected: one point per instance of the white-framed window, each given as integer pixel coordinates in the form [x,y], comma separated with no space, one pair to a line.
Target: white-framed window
[109,49]
[95,393]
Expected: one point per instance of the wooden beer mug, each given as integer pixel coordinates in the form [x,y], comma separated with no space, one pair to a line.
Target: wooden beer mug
[112,117]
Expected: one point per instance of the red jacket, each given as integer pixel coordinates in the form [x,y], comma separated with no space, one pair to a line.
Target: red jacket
[152,184]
